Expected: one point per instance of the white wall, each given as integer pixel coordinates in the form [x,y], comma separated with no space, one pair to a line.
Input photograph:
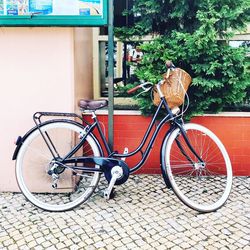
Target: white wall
[37,68]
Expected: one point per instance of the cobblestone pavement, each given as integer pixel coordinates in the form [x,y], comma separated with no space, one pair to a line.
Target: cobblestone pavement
[143,215]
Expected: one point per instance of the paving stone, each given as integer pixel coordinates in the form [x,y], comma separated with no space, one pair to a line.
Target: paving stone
[46,244]
[20,243]
[143,215]
[13,247]
[38,248]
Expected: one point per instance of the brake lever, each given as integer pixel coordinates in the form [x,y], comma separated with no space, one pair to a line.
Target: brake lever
[145,89]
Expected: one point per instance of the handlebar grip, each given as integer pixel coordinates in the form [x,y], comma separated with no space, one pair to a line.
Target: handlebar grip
[130,91]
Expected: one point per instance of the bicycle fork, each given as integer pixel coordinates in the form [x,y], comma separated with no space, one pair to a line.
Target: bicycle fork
[183,132]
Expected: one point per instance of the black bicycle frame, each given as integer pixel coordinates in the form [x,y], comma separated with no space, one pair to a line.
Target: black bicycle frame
[174,124]
[111,158]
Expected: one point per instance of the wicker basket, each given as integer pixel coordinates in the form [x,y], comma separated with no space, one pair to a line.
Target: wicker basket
[176,83]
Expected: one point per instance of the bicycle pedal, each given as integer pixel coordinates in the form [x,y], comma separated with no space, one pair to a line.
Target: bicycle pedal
[117,173]
[112,194]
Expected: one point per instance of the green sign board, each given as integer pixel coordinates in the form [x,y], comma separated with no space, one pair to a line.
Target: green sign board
[53,12]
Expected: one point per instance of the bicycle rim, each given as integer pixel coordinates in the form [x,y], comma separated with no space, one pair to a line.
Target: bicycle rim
[203,186]
[34,161]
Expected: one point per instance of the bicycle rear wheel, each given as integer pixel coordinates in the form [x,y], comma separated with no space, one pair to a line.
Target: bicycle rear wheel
[34,161]
[203,186]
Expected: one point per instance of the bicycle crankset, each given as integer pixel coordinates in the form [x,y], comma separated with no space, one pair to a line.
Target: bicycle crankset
[121,171]
[115,175]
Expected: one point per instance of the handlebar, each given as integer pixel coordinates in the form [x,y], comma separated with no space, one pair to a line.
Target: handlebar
[130,91]
[146,86]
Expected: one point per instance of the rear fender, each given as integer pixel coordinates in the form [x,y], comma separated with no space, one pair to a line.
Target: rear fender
[19,142]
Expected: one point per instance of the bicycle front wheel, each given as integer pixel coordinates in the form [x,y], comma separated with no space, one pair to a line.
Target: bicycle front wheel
[202,185]
[70,187]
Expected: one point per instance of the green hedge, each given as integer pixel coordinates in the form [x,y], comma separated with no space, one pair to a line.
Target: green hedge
[194,35]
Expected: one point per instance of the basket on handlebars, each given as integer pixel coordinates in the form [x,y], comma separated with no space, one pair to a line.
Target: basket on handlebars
[174,87]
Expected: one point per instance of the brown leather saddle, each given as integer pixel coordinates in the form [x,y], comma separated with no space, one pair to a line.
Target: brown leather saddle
[92,104]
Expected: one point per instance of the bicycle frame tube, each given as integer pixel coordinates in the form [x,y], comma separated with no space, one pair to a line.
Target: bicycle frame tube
[152,139]
[146,136]
[89,129]
[147,133]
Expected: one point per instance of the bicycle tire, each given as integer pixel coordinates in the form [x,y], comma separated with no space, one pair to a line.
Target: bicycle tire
[206,186]
[34,160]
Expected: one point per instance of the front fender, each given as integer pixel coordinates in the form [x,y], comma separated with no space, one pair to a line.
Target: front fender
[163,162]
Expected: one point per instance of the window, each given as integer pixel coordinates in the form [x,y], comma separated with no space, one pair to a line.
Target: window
[245,105]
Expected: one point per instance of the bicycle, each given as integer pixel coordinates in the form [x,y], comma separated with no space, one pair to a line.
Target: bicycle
[59,161]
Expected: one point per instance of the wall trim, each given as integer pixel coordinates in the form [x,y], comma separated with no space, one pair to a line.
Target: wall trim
[137,112]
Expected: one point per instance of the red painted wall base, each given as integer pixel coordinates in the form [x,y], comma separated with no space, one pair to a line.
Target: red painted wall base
[234,132]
